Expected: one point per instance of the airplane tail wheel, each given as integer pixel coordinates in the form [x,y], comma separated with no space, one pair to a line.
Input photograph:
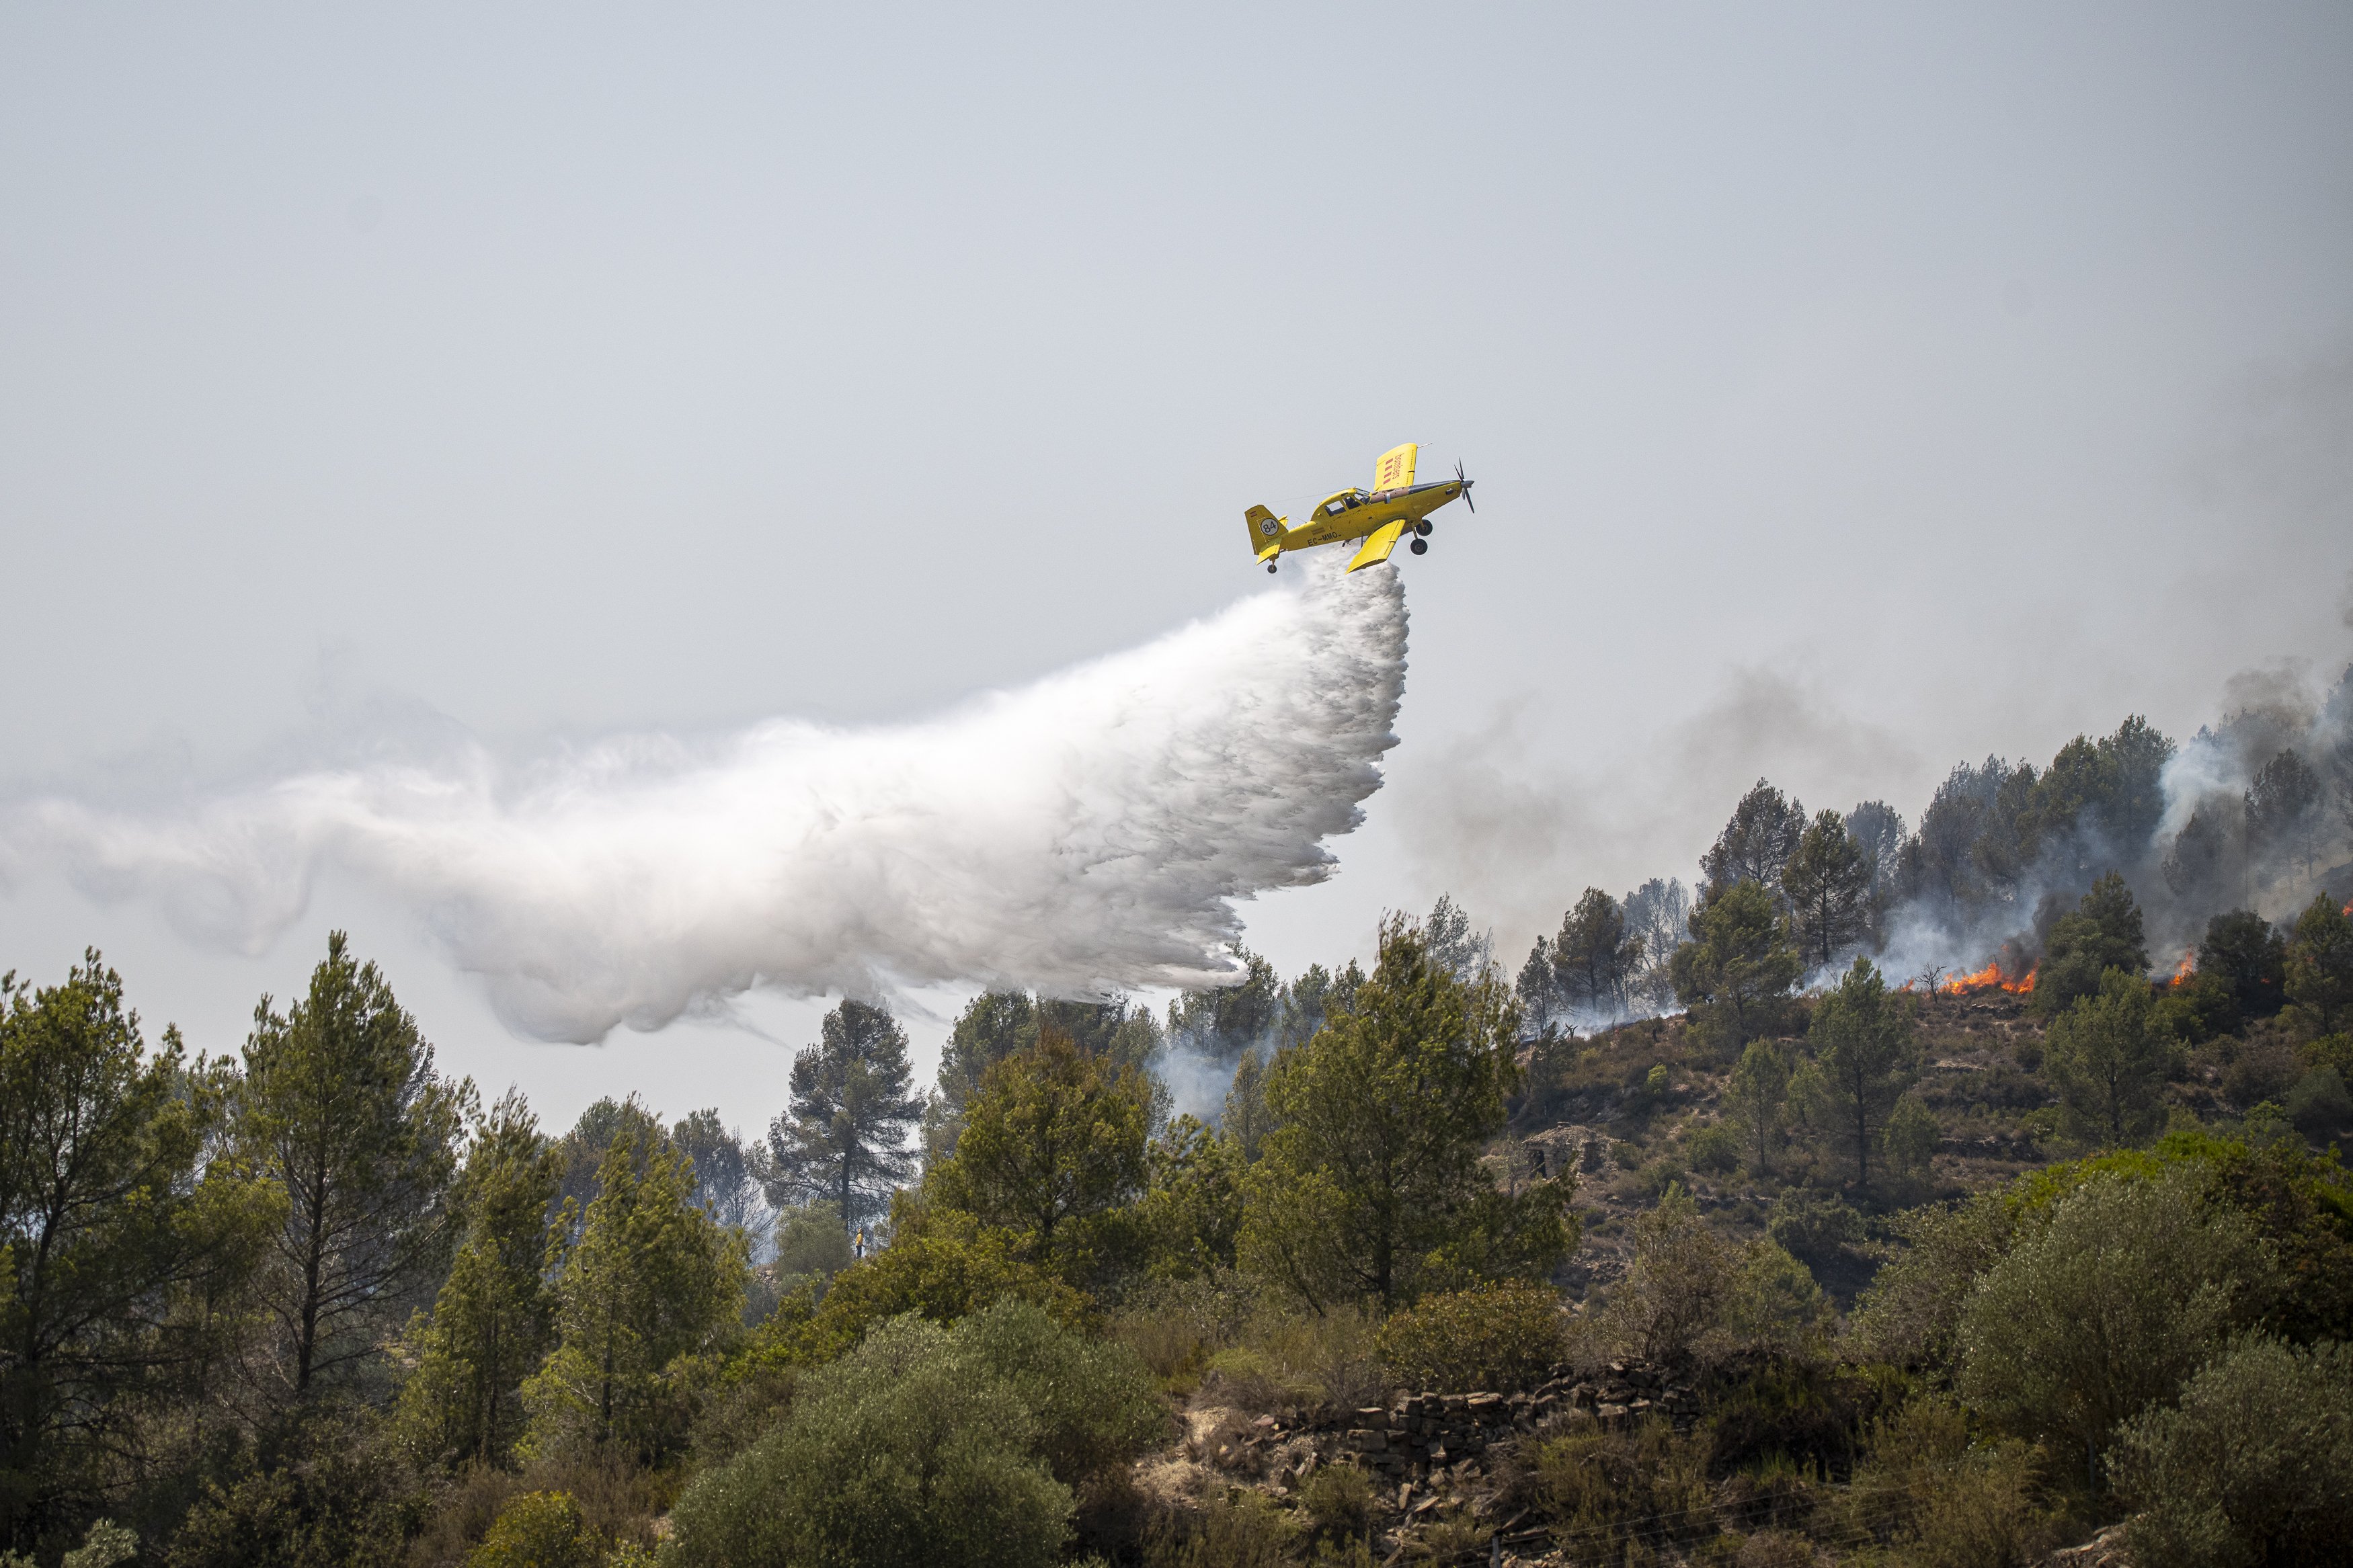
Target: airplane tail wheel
[1421,547]
[1423,527]
[1270,568]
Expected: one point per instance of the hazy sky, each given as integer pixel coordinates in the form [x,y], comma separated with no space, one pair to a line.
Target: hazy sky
[1851,390]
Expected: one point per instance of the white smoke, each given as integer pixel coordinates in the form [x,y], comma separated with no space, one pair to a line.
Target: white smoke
[1087,834]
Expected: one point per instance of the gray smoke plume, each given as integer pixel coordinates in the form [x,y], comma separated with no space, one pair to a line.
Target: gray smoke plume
[1088,834]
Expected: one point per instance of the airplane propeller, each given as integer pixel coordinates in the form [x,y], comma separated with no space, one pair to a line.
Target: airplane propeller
[1466,485]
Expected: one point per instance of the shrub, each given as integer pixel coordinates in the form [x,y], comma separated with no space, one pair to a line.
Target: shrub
[1339,1502]
[1093,1402]
[1607,1490]
[2318,1104]
[1331,1359]
[1503,1337]
[2260,1073]
[2253,1464]
[536,1529]
[1910,1137]
[1946,1502]
[1910,1315]
[902,1452]
[331,1492]
[2125,1286]
[1715,1149]
[1247,1532]
[1814,1227]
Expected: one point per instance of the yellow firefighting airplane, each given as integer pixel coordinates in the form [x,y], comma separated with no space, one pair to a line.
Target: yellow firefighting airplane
[1381,516]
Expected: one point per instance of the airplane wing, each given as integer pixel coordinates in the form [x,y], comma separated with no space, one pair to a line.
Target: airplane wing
[1395,470]
[1378,545]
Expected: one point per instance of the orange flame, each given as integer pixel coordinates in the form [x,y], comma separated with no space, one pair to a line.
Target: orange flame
[1989,978]
[2182,971]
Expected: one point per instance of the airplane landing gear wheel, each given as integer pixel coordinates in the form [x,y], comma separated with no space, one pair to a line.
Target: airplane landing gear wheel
[1421,546]
[1423,527]
[1270,568]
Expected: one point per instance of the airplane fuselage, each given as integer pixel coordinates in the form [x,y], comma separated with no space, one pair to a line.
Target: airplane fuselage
[1354,514]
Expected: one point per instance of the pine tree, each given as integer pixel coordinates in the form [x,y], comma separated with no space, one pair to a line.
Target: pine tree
[1595,956]
[1756,843]
[1370,1184]
[1053,1144]
[652,1278]
[342,1110]
[1759,1095]
[493,1322]
[844,1136]
[1738,962]
[104,1224]
[1827,883]
[2108,1063]
[1862,1037]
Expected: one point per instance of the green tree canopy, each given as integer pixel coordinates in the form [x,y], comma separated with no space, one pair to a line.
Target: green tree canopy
[723,1172]
[1370,1185]
[1738,962]
[1862,1037]
[929,1445]
[1315,996]
[2283,807]
[2248,956]
[2320,966]
[494,1319]
[582,1150]
[1052,1150]
[1246,1120]
[341,1108]
[2120,1290]
[844,1135]
[652,1278]
[105,1228]
[1221,1022]
[1827,885]
[1191,1215]
[2103,933]
[1596,957]
[1757,1097]
[2108,1061]
[1755,844]
[992,1027]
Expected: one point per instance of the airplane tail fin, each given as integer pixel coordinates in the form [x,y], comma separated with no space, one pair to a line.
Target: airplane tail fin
[1266,532]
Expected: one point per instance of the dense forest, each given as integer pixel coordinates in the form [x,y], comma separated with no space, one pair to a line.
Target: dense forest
[1945,1195]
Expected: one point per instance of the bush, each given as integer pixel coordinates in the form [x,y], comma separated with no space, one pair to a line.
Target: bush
[2260,1073]
[1813,1226]
[1247,1532]
[536,1529]
[956,1444]
[2318,1104]
[1339,1502]
[1607,1490]
[901,1454]
[1910,1137]
[1946,1502]
[1715,1149]
[329,1490]
[1910,1316]
[1330,1359]
[811,1245]
[1500,1337]
[2253,1464]
[2124,1289]
[1093,1403]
